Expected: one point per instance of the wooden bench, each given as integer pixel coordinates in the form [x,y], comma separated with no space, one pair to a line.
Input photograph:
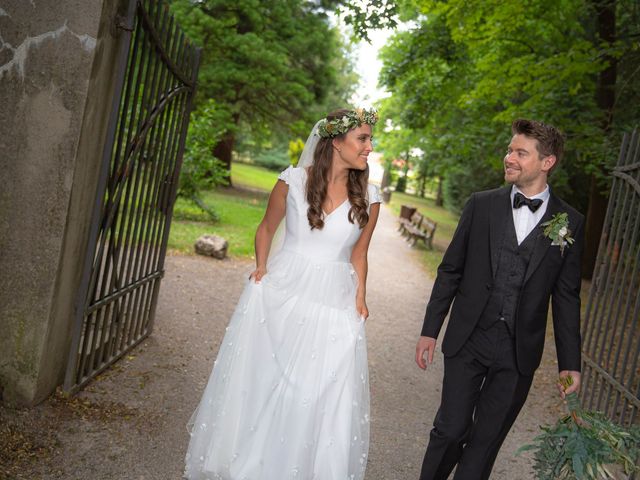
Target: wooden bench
[418,227]
[404,223]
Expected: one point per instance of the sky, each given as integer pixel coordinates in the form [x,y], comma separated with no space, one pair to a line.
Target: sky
[366,62]
[368,66]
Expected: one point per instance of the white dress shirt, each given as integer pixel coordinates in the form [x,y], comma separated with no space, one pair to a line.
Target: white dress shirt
[524,220]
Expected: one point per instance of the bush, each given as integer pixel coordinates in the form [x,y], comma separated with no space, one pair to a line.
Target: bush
[201,170]
[295,150]
[273,159]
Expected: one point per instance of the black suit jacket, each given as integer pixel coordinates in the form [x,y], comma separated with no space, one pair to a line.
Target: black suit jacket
[465,277]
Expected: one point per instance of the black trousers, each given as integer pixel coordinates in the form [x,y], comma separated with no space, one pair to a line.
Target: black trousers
[482,395]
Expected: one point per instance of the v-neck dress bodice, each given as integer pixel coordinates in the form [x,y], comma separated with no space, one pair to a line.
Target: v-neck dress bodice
[335,240]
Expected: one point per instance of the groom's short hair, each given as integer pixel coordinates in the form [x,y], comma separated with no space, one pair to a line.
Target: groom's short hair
[550,139]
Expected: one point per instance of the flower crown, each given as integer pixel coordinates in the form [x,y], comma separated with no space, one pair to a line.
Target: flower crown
[350,120]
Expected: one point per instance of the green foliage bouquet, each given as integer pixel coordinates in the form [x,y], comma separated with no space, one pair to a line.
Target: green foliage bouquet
[584,445]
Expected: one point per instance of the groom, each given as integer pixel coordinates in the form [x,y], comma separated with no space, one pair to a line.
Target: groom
[500,271]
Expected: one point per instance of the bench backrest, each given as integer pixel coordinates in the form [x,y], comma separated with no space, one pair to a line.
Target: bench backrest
[429,225]
[416,219]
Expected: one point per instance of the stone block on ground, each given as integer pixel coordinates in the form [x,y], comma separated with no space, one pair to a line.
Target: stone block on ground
[212,245]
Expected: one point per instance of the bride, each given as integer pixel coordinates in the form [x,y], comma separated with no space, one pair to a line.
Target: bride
[288,397]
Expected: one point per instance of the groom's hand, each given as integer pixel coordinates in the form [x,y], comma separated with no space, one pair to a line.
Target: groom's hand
[575,383]
[428,345]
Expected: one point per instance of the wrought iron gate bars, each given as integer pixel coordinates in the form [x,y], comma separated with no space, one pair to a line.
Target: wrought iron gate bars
[612,332]
[137,187]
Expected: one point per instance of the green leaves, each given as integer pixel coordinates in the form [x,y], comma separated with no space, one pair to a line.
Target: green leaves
[584,445]
[465,69]
[374,15]
[557,229]
[201,170]
[264,62]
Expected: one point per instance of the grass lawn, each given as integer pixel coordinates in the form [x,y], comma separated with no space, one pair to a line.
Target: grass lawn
[241,208]
[240,212]
[446,220]
[250,176]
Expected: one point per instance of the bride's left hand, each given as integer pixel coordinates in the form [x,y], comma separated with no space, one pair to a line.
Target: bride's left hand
[361,307]
[257,274]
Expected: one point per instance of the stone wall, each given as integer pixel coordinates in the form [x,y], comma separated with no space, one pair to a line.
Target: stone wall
[57,67]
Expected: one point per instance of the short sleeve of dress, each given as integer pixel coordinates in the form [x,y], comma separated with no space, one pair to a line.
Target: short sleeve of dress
[286,175]
[374,194]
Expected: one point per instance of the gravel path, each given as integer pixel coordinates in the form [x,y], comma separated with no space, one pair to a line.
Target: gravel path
[130,422]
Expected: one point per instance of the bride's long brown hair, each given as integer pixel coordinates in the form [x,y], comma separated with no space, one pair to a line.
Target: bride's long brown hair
[318,180]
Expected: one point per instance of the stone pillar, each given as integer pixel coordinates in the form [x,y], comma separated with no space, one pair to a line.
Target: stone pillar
[57,74]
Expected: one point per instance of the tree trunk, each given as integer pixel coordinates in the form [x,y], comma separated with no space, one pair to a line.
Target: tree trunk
[605,98]
[386,178]
[222,151]
[439,199]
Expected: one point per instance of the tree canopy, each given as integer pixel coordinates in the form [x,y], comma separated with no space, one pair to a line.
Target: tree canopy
[269,65]
[459,72]
[463,70]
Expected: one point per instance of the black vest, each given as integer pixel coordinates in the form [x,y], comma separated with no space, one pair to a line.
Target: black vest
[507,283]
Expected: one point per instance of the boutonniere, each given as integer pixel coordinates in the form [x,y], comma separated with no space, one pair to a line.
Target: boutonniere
[557,229]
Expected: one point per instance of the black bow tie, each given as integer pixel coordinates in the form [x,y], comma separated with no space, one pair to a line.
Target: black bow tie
[520,200]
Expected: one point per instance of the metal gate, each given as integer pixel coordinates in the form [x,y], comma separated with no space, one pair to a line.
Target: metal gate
[611,346]
[136,191]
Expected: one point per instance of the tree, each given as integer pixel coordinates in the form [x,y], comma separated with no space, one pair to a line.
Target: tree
[264,62]
[428,74]
[339,91]
[469,67]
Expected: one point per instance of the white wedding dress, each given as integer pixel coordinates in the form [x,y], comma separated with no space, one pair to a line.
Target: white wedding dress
[288,397]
